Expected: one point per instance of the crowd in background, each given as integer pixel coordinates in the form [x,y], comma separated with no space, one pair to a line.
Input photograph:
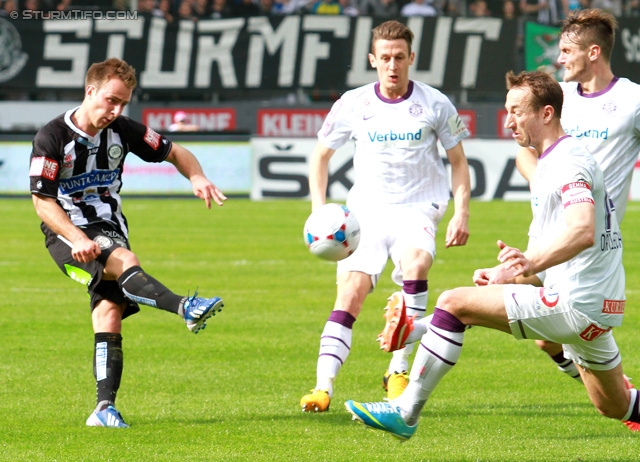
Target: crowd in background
[541,11]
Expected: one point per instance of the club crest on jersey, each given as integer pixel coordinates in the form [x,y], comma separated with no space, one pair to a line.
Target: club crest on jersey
[549,296]
[152,138]
[609,107]
[115,151]
[415,110]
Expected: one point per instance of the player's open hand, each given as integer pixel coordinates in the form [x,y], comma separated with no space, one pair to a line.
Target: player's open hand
[207,191]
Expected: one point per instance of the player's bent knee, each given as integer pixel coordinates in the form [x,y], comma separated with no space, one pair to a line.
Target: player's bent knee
[449,300]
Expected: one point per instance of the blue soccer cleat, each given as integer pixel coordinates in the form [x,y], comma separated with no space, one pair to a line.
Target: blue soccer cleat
[108,417]
[198,310]
[381,416]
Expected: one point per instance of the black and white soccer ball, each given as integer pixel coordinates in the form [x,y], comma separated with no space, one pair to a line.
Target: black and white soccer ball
[332,232]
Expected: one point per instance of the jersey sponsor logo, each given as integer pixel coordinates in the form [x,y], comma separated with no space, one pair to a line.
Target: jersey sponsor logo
[549,296]
[456,125]
[377,137]
[93,179]
[44,167]
[152,138]
[613,306]
[115,151]
[579,133]
[68,161]
[576,185]
[592,332]
[610,241]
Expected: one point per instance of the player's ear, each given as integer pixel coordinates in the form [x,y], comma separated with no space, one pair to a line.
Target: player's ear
[89,91]
[372,60]
[412,56]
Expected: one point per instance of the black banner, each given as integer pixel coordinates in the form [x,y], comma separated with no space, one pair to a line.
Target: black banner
[327,53]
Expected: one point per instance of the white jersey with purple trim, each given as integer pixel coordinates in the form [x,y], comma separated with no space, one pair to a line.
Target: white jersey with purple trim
[396,157]
[608,123]
[594,280]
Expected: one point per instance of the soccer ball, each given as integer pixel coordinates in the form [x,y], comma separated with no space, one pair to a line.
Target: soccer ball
[332,232]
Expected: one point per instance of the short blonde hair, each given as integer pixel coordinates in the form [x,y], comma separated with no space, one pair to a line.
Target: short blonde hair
[100,73]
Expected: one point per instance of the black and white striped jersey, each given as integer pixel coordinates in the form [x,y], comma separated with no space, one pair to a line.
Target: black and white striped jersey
[84,173]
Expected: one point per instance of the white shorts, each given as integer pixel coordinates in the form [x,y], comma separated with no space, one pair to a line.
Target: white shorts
[388,233]
[543,313]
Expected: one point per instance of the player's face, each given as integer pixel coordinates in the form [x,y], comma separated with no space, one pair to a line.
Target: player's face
[107,102]
[575,61]
[525,123]
[392,60]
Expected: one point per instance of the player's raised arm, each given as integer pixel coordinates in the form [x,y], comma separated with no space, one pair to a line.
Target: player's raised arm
[458,228]
[190,168]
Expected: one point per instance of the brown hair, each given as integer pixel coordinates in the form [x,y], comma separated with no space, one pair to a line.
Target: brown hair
[544,89]
[100,73]
[391,30]
[589,27]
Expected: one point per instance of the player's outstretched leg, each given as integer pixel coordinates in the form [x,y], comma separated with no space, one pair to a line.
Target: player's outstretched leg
[198,310]
[383,416]
[108,417]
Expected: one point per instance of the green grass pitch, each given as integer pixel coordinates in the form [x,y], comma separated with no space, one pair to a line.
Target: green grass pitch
[231,393]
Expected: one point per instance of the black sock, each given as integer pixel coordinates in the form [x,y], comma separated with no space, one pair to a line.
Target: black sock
[107,367]
[560,359]
[142,288]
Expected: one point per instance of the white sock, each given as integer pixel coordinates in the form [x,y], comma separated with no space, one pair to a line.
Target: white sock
[420,328]
[437,354]
[335,345]
[632,405]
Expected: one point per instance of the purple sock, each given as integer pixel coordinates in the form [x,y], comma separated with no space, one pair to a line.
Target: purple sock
[446,321]
[343,318]
[415,287]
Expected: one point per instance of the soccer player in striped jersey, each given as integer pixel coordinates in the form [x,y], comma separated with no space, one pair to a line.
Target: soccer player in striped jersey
[601,110]
[399,196]
[574,237]
[76,176]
